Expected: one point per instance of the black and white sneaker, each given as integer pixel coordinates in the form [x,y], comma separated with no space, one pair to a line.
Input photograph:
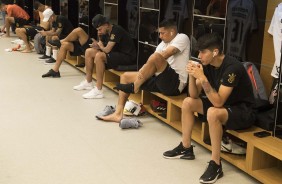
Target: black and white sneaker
[51,73]
[212,173]
[180,152]
[50,61]
[44,57]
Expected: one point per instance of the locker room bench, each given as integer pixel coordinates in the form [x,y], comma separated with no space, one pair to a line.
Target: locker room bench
[263,159]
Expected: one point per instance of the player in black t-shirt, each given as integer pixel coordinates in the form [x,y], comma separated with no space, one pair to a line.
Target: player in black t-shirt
[227,100]
[61,27]
[114,47]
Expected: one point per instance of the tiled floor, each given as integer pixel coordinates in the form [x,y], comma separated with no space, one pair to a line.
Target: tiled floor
[49,134]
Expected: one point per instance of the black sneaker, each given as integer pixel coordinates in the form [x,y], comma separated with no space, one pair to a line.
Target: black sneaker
[81,65]
[180,152]
[212,173]
[52,73]
[56,43]
[44,57]
[50,61]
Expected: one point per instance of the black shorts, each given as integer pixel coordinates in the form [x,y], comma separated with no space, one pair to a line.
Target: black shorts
[31,32]
[19,22]
[80,49]
[62,36]
[114,59]
[166,83]
[240,116]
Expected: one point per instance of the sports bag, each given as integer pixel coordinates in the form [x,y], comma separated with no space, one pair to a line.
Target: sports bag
[261,98]
[265,111]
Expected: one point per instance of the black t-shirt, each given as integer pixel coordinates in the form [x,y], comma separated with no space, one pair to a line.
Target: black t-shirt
[231,73]
[63,23]
[123,40]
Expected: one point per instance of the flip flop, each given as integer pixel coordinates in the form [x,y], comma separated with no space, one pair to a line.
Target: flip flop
[127,88]
[107,111]
[130,123]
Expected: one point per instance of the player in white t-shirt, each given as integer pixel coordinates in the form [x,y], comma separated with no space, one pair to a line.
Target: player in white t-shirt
[164,71]
[275,29]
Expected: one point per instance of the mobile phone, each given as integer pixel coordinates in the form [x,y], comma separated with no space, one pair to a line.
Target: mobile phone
[262,134]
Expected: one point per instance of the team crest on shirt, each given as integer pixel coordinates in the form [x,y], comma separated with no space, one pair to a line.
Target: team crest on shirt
[231,78]
[112,36]
[17,25]
[59,24]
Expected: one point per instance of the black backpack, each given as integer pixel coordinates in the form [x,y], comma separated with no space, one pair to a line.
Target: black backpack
[264,110]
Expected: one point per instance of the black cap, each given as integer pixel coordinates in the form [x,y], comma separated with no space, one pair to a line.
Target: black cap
[99,20]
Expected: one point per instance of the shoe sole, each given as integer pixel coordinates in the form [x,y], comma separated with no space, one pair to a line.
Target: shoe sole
[49,63]
[179,157]
[88,88]
[43,59]
[51,76]
[213,181]
[96,97]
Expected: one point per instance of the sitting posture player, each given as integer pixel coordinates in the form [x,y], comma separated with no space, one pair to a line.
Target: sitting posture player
[61,27]
[27,33]
[114,47]
[163,72]
[15,15]
[227,101]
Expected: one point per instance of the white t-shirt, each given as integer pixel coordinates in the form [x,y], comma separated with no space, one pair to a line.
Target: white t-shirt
[275,29]
[178,61]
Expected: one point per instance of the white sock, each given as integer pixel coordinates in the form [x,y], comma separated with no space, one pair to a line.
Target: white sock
[48,51]
[55,54]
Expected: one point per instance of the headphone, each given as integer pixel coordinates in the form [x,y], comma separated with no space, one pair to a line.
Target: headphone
[214,54]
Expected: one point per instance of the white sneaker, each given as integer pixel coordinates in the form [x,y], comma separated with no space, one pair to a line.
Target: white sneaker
[84,85]
[18,41]
[94,93]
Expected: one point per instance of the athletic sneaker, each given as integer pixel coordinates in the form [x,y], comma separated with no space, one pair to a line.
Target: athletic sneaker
[107,111]
[130,123]
[50,61]
[44,57]
[94,93]
[84,85]
[212,173]
[180,152]
[52,73]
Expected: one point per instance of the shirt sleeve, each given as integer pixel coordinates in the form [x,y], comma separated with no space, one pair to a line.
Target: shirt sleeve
[180,42]
[115,36]
[60,23]
[254,25]
[271,27]
[232,76]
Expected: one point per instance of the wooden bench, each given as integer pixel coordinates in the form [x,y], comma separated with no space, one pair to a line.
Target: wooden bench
[263,155]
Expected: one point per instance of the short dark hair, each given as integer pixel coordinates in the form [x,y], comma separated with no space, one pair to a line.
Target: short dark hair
[210,41]
[36,5]
[168,23]
[99,20]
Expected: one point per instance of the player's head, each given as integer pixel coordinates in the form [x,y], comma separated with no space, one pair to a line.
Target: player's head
[167,30]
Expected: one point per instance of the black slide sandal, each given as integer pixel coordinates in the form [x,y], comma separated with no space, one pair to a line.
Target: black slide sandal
[127,88]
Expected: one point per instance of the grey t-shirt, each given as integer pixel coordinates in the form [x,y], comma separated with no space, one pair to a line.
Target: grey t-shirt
[241,20]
